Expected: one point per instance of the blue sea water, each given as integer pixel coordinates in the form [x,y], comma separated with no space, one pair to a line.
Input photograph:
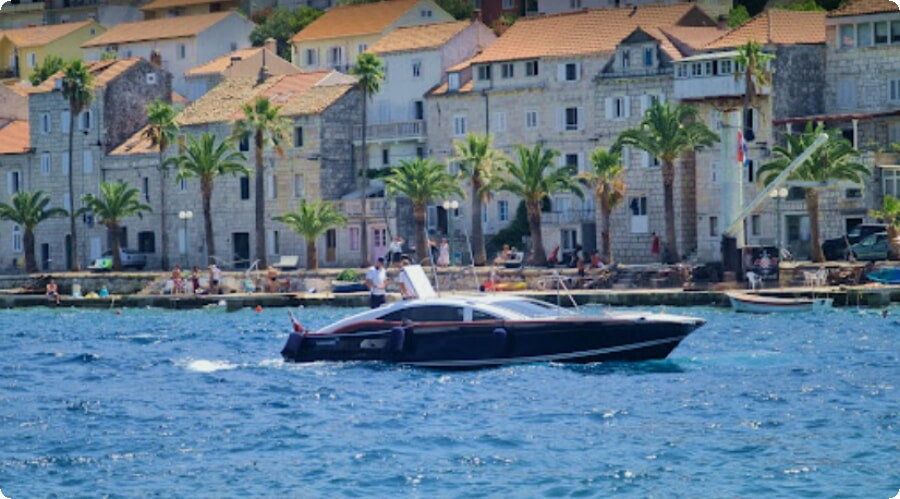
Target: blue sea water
[155,403]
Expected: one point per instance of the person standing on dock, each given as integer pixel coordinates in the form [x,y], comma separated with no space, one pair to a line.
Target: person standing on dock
[376,280]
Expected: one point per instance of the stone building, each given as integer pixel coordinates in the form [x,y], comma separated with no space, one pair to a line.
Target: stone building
[538,84]
[323,108]
[15,168]
[122,89]
[244,62]
[713,8]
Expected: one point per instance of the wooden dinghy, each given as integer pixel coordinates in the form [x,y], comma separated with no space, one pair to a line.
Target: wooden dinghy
[753,303]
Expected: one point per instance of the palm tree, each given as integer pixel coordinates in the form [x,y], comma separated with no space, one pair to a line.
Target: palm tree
[161,130]
[28,209]
[836,160]
[78,89]
[422,181]
[369,69]
[480,163]
[311,220]
[605,179]
[666,133]
[753,69]
[207,160]
[117,201]
[265,123]
[890,213]
[533,178]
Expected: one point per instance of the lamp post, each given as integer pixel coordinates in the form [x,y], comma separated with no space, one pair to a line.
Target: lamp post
[778,194]
[448,206]
[184,216]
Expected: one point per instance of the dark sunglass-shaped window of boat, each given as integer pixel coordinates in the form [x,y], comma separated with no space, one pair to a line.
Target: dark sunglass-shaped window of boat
[427,313]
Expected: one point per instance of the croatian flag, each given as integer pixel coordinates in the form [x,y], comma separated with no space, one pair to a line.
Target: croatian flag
[742,151]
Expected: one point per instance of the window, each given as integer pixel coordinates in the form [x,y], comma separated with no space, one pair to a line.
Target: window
[846,93]
[572,121]
[86,120]
[484,72]
[725,67]
[848,36]
[428,313]
[714,172]
[575,4]
[150,78]
[503,210]
[17,239]
[647,101]
[499,121]
[64,121]
[681,71]
[145,188]
[182,51]
[895,31]
[32,59]
[484,214]
[182,185]
[299,185]
[245,187]
[618,107]
[648,56]
[507,70]
[881,33]
[459,126]
[420,152]
[713,226]
[273,242]
[271,186]
[570,159]
[244,144]
[298,136]
[571,71]
[625,58]
[65,164]
[891,182]
[650,161]
[864,34]
[146,242]
[312,57]
[853,193]
[336,56]
[13,182]
[751,119]
[353,235]
[755,226]
[362,47]
[894,90]
[637,208]
[453,81]
[418,110]
[417,69]
[531,119]
[509,4]
[696,69]
[531,68]
[45,123]
[45,164]
[385,157]
[87,160]
[751,170]
[426,13]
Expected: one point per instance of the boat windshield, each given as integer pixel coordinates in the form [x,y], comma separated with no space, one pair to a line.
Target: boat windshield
[531,308]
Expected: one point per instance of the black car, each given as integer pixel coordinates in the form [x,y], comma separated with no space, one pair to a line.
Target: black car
[836,249]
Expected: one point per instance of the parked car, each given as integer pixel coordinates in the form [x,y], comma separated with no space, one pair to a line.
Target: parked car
[836,248]
[130,260]
[873,247]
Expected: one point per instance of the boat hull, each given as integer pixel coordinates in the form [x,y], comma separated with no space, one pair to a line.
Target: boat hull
[769,305]
[478,344]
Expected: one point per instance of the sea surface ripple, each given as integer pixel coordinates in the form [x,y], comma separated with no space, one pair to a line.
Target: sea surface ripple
[155,403]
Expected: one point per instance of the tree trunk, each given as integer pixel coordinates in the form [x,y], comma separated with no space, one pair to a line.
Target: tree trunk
[312,255]
[480,253]
[76,265]
[538,255]
[364,225]
[422,248]
[206,190]
[113,229]
[606,243]
[260,202]
[30,263]
[164,261]
[812,209]
[668,173]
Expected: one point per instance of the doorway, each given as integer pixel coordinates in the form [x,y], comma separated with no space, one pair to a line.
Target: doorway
[379,242]
[45,257]
[331,245]
[240,249]
[798,235]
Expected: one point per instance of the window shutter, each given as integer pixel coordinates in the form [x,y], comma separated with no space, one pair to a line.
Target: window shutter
[578,71]
[645,103]
[65,163]
[661,97]
[627,101]
[581,165]
[560,72]
[64,121]
[580,117]
[9,183]
[608,104]
[561,119]
[626,156]
[645,159]
[88,160]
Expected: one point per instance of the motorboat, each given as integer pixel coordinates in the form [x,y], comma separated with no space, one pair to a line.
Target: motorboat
[760,304]
[885,276]
[476,331]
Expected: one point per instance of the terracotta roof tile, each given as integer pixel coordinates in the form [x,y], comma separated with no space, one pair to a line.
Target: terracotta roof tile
[444,89]
[297,94]
[427,36]
[583,32]
[103,72]
[178,98]
[665,44]
[158,29]
[220,64]
[14,138]
[692,37]
[136,144]
[168,4]
[863,7]
[354,20]
[776,27]
[36,36]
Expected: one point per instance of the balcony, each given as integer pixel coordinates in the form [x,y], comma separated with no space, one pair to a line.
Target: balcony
[353,207]
[709,76]
[569,217]
[394,131]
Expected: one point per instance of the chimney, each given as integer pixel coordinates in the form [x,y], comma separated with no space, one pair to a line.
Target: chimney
[271,45]
[234,59]
[156,58]
[264,72]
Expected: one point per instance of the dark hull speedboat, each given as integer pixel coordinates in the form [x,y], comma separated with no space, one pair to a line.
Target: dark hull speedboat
[487,331]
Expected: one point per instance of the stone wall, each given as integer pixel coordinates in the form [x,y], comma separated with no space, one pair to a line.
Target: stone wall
[125,101]
[798,81]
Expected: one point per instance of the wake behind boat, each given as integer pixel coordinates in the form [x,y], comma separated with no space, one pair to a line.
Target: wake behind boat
[753,303]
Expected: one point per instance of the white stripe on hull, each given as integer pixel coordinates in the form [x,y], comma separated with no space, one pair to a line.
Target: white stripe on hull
[544,358]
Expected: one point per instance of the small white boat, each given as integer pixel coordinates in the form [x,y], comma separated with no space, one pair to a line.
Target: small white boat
[746,302]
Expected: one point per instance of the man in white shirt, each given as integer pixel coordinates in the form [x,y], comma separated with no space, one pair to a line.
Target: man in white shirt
[376,280]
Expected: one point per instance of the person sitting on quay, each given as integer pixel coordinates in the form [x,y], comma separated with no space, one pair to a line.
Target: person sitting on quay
[195,280]
[272,279]
[177,281]
[53,290]
[504,255]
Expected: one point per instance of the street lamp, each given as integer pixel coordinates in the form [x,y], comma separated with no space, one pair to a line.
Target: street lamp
[778,194]
[450,205]
[184,216]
